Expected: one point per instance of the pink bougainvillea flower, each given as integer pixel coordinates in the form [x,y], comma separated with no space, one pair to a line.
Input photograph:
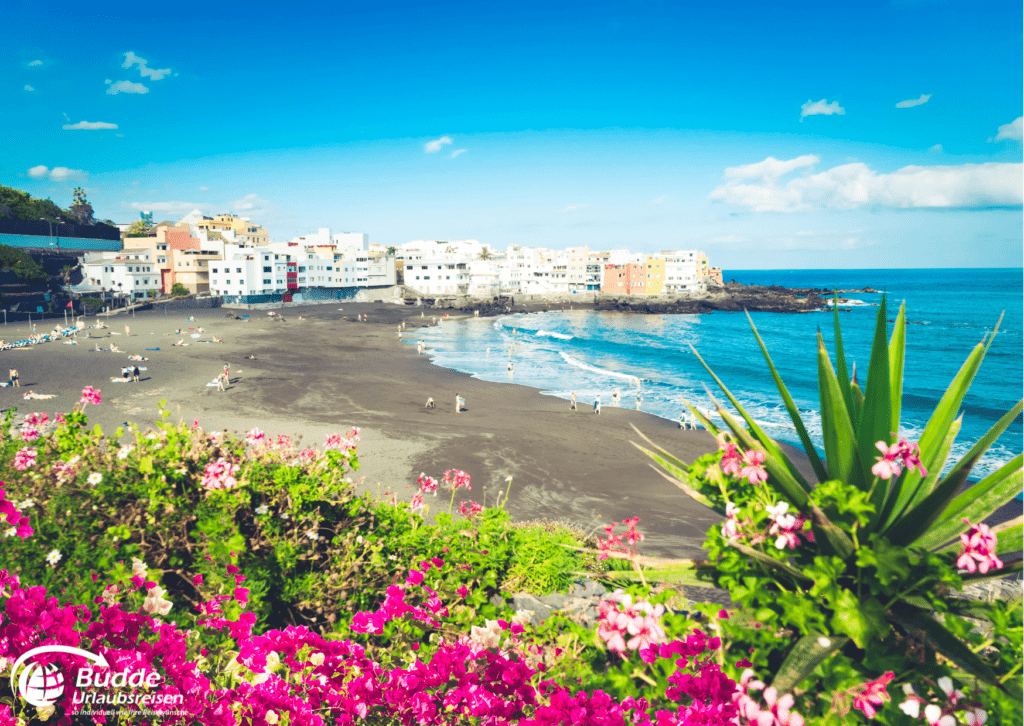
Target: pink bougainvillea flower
[29,434]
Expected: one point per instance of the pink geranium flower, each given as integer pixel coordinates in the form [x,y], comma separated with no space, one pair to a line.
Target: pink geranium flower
[90,395]
[978,549]
[255,437]
[25,458]
[752,470]
[427,484]
[872,694]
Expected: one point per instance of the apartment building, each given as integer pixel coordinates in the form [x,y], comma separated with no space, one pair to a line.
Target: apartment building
[629,278]
[655,272]
[445,274]
[129,271]
[684,270]
[245,231]
[244,272]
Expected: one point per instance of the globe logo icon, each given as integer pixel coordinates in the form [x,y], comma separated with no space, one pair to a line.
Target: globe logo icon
[40,684]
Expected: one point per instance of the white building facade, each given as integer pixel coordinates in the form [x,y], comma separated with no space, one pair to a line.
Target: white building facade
[683,270]
[130,272]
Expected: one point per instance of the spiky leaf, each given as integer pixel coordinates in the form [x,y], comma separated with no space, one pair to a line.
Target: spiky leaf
[805,656]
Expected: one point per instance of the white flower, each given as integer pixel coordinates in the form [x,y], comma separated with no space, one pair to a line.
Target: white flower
[95,478]
[271,717]
[284,515]
[317,659]
[522,617]
[262,509]
[975,717]
[138,568]
[110,595]
[824,642]
[53,558]
[123,453]
[44,712]
[74,459]
[312,535]
[154,602]
[27,504]
[359,539]
[11,532]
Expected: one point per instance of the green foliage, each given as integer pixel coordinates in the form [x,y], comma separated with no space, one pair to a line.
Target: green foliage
[877,569]
[179,289]
[23,206]
[21,264]
[90,304]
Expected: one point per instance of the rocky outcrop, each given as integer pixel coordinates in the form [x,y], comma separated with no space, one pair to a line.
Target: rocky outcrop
[729,298]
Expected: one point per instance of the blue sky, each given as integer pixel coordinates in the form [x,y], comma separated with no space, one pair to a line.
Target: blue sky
[770,135]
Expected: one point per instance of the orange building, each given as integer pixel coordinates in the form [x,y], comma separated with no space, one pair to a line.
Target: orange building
[627,279]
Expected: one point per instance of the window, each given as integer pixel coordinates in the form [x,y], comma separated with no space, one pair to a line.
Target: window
[302,269]
[238,270]
[214,269]
[227,282]
[267,269]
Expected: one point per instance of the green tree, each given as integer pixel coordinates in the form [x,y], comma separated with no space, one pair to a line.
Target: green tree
[81,210]
[21,264]
[138,229]
[91,304]
[179,289]
[392,251]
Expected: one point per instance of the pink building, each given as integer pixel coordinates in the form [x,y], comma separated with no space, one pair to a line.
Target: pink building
[628,279]
[161,245]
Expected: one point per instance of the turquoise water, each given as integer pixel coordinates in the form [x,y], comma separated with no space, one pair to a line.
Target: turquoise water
[593,353]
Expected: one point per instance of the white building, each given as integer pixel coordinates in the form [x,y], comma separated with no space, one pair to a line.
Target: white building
[683,270]
[439,274]
[129,271]
[249,271]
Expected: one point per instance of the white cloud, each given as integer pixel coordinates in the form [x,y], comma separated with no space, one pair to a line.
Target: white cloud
[571,207]
[911,102]
[457,152]
[820,108]
[1011,130]
[35,63]
[856,185]
[770,169]
[89,126]
[204,189]
[432,147]
[29,88]
[937,148]
[57,173]
[130,59]
[249,201]
[125,87]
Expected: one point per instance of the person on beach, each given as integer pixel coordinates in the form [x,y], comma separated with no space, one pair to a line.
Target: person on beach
[430,403]
[572,401]
[14,378]
[615,397]
[220,382]
[597,406]
[114,348]
[511,368]
[135,374]
[458,403]
[683,421]
[488,350]
[638,401]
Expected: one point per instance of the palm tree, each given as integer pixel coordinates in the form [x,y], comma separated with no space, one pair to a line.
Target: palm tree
[485,254]
[392,251]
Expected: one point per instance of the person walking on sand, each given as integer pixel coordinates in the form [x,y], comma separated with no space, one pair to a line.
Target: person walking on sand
[615,397]
[597,406]
[638,401]
[220,382]
[127,331]
[135,374]
[458,403]
[572,401]
[14,378]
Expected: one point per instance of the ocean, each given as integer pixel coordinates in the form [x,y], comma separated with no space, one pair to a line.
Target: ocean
[593,353]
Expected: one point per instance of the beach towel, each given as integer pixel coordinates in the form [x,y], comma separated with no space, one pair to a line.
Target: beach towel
[195,335]
[214,384]
[114,379]
[34,395]
[152,349]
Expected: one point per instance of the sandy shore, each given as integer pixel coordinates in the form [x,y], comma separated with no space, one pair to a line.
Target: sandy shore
[327,372]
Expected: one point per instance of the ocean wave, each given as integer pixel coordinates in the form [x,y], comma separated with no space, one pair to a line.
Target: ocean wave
[577,363]
[552,334]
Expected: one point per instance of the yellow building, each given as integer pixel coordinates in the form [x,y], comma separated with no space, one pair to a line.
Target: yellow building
[655,270]
[246,232]
[192,268]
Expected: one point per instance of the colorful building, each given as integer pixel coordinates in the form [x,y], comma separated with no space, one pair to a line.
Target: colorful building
[655,270]
[625,279]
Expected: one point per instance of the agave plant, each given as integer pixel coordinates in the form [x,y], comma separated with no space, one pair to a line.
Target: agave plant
[916,512]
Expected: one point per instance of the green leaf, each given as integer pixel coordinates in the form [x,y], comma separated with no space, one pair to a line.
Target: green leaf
[794,413]
[935,431]
[858,401]
[897,350]
[840,440]
[1010,536]
[146,465]
[677,473]
[921,625]
[805,656]
[901,499]
[977,503]
[841,370]
[891,563]
[769,445]
[876,417]
[771,561]
[862,620]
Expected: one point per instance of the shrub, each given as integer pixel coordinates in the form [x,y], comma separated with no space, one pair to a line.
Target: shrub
[179,289]
[838,581]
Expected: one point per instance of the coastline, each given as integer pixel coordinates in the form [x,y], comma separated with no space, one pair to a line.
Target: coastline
[327,373]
